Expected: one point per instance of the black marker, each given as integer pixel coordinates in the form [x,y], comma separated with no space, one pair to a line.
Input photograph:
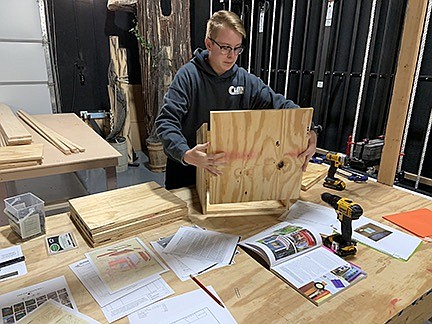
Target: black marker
[11,261]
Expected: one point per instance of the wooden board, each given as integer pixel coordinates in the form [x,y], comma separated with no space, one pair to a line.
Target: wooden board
[262,148]
[313,174]
[393,289]
[13,131]
[21,153]
[111,209]
[201,175]
[407,62]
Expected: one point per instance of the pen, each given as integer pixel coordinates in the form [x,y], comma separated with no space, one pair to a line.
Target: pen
[207,291]
[12,261]
[208,268]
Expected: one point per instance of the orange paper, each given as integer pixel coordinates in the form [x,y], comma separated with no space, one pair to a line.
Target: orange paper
[418,222]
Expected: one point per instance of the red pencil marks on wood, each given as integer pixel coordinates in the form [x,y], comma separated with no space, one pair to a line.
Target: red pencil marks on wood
[394,301]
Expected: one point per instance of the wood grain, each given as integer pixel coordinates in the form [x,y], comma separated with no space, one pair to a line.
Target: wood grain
[13,131]
[394,291]
[313,174]
[115,214]
[261,147]
[404,77]
[21,153]
[201,175]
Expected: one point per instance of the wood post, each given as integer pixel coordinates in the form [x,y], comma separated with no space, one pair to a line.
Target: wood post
[411,37]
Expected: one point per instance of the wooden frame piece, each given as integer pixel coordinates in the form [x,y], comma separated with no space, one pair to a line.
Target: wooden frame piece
[410,45]
[263,174]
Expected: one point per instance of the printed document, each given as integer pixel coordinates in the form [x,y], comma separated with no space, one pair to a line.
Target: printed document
[193,307]
[12,263]
[203,245]
[54,312]
[122,302]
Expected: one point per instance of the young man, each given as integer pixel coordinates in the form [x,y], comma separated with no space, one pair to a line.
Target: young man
[211,81]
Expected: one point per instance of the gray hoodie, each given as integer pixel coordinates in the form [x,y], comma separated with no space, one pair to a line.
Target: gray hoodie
[197,89]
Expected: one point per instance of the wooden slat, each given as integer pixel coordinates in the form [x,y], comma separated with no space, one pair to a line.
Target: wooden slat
[21,153]
[62,143]
[407,61]
[13,131]
[262,148]
[43,131]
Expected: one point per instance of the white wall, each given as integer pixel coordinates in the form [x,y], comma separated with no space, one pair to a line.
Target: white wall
[24,71]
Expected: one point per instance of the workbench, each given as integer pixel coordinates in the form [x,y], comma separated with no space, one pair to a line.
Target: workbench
[394,290]
[98,154]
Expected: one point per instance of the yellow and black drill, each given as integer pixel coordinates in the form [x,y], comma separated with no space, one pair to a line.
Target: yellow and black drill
[347,211]
[336,160]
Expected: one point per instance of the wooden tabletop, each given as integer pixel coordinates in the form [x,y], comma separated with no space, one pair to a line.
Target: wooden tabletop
[98,153]
[252,293]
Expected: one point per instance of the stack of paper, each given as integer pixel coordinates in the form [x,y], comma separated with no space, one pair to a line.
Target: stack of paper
[117,214]
[19,303]
[193,250]
[122,278]
[54,312]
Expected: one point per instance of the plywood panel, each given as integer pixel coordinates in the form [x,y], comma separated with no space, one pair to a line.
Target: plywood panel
[114,208]
[21,153]
[313,174]
[262,148]
[201,175]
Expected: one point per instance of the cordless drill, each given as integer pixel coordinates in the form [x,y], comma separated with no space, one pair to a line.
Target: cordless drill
[347,211]
[336,160]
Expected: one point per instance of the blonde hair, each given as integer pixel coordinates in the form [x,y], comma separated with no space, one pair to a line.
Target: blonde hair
[221,19]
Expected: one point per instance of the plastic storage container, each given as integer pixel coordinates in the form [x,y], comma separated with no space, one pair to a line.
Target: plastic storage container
[26,215]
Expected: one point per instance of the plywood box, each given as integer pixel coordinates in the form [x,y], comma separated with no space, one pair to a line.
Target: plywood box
[262,148]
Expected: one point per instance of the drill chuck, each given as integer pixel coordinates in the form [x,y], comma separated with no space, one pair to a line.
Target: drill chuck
[343,206]
[330,199]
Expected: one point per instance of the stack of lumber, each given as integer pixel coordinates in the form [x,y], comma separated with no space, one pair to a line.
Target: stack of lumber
[63,144]
[15,148]
[12,131]
[20,156]
[314,173]
[116,214]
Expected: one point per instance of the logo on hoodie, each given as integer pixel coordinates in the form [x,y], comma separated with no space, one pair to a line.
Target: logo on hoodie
[235,91]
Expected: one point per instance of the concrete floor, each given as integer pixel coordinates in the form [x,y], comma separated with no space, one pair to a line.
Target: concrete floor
[56,190]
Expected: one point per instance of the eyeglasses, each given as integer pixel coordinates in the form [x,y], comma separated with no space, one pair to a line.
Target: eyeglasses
[225,49]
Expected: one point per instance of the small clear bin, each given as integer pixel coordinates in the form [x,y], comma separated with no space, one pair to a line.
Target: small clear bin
[26,215]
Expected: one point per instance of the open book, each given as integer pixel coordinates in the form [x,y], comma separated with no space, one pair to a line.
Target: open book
[296,255]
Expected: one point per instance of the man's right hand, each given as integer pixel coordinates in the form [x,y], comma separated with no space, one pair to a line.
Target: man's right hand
[197,156]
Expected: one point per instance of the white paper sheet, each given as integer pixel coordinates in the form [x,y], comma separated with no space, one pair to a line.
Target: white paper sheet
[183,266]
[125,264]
[123,302]
[192,307]
[18,303]
[203,245]
[14,270]
[56,313]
